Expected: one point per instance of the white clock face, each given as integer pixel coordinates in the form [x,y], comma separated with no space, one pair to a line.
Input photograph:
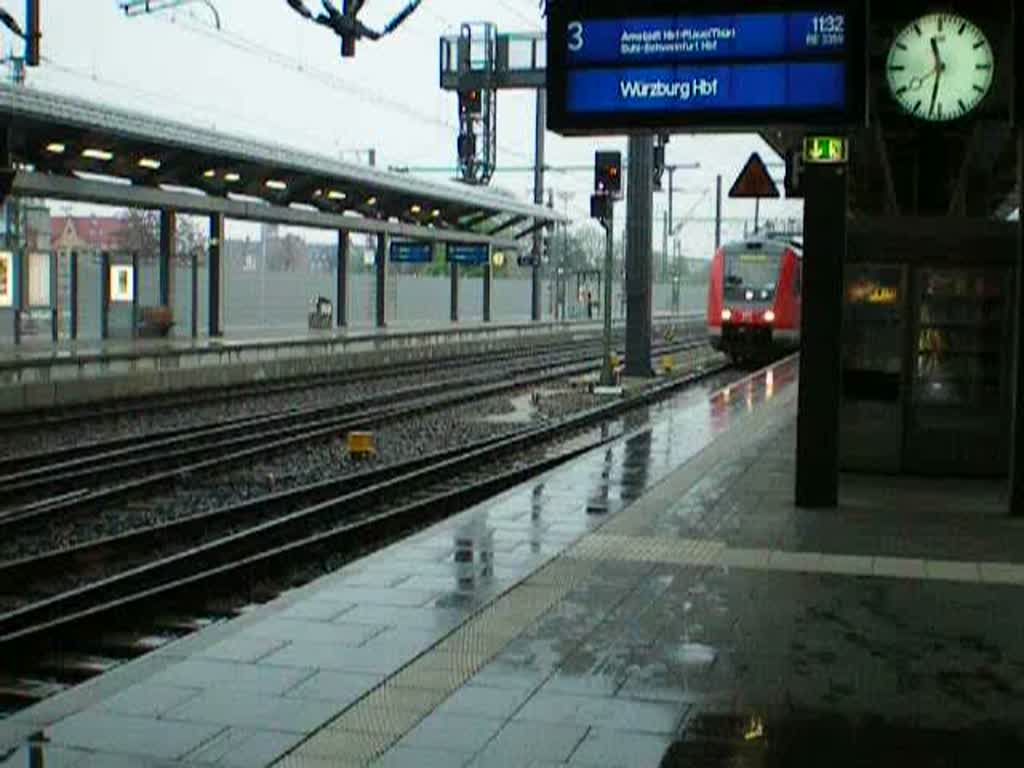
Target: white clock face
[940,67]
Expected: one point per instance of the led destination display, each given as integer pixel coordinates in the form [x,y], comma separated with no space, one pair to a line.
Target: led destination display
[611,70]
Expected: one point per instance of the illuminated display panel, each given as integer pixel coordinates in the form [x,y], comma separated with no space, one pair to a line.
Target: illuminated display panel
[668,64]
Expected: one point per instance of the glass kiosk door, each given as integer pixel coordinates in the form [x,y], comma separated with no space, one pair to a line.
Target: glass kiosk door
[874,333]
[960,373]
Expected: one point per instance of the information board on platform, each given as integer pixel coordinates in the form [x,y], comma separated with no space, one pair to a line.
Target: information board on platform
[476,255]
[615,67]
[411,252]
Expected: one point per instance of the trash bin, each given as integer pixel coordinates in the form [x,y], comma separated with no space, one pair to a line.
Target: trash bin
[321,315]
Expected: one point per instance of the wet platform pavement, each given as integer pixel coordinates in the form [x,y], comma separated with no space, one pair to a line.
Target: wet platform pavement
[660,602]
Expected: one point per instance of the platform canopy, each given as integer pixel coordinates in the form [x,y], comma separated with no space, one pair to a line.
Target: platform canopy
[72,149]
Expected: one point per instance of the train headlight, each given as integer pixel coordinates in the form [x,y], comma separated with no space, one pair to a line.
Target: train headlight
[769,316]
[727,315]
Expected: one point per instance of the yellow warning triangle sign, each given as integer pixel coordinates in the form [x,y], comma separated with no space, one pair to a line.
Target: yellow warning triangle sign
[754,180]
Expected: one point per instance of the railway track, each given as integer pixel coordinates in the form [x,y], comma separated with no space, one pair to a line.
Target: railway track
[35,419]
[72,481]
[148,586]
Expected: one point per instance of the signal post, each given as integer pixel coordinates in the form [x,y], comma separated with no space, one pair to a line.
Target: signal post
[607,189]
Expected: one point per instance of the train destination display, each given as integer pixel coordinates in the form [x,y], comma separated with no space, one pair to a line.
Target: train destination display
[615,72]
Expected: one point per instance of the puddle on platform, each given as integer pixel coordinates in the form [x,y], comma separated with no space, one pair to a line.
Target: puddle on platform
[727,741]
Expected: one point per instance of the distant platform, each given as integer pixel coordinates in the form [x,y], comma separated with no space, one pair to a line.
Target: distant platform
[85,371]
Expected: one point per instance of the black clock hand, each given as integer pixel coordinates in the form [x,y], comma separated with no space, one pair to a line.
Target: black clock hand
[939,68]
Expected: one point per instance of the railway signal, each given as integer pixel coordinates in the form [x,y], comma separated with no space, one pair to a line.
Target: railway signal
[608,173]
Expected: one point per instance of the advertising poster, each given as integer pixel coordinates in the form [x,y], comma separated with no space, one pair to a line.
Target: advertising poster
[122,284]
[6,279]
[39,280]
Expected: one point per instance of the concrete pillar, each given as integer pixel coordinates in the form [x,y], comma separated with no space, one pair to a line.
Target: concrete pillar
[453,271]
[168,240]
[488,285]
[214,267]
[639,256]
[382,280]
[817,449]
[341,276]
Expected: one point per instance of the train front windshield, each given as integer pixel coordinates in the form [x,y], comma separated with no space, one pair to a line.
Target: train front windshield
[751,276]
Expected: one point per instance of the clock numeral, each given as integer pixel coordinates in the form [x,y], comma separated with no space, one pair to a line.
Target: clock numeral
[978,88]
[896,68]
[901,46]
[979,44]
[983,66]
[963,107]
[917,107]
[917,28]
[901,91]
[963,28]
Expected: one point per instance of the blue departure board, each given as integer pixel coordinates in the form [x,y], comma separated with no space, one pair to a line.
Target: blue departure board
[411,252]
[464,253]
[616,66]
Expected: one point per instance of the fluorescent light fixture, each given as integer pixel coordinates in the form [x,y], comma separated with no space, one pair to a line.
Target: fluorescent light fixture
[336,195]
[276,184]
[209,174]
[231,178]
[416,209]
[371,201]
[56,148]
[151,163]
[98,154]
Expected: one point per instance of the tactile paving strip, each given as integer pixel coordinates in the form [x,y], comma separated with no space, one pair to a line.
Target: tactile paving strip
[372,725]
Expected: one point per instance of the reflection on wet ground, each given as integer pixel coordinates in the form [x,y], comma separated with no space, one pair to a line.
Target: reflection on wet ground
[726,741]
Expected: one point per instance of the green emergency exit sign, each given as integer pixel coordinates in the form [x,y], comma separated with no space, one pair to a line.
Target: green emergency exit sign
[826,149]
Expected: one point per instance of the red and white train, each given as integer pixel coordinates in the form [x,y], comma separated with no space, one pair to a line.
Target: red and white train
[754,298]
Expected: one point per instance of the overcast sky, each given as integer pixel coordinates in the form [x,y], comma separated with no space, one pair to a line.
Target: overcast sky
[270,74]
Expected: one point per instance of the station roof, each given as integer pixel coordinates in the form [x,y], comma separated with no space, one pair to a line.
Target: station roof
[69,148]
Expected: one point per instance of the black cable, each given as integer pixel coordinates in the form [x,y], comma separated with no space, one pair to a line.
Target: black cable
[11,23]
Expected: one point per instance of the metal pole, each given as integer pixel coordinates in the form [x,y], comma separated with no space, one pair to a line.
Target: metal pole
[195,293]
[341,289]
[213,268]
[382,280]
[757,215]
[664,249]
[73,289]
[718,213]
[104,295]
[538,197]
[168,223]
[671,218]
[488,277]
[639,272]
[1017,436]
[453,269]
[607,375]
